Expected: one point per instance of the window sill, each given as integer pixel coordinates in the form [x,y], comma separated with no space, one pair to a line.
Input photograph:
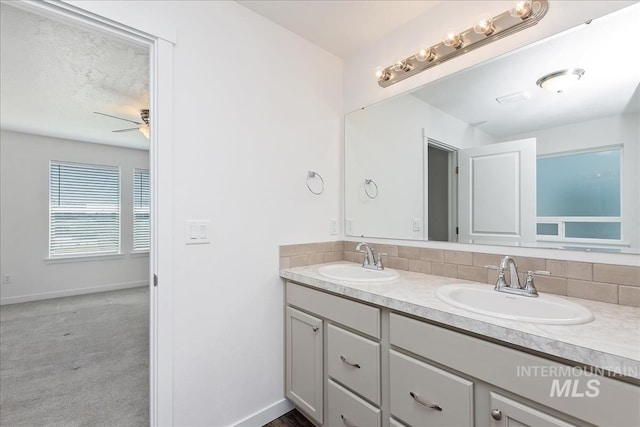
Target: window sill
[82,258]
[139,254]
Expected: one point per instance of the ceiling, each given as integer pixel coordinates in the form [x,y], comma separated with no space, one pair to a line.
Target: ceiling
[54,76]
[610,85]
[340,27]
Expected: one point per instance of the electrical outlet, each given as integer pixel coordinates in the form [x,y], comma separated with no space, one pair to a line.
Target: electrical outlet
[417,224]
[349,227]
[333,226]
[7,279]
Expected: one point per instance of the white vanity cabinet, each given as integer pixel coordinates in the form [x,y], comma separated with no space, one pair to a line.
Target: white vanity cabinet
[344,355]
[354,364]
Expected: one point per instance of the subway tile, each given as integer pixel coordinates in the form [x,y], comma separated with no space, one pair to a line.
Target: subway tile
[458,257]
[620,274]
[332,256]
[337,246]
[301,249]
[398,263]
[550,284]
[492,276]
[390,250]
[480,259]
[605,292]
[629,295]
[284,262]
[348,256]
[419,266]
[299,260]
[442,269]
[323,247]
[570,269]
[436,255]
[530,264]
[316,258]
[350,246]
[477,274]
[409,252]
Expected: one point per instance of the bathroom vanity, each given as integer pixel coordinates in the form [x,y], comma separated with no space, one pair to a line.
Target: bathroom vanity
[392,354]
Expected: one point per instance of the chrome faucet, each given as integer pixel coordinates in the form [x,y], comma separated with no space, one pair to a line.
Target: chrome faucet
[369,257]
[514,287]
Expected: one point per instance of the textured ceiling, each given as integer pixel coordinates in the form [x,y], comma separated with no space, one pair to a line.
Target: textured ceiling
[54,76]
[340,27]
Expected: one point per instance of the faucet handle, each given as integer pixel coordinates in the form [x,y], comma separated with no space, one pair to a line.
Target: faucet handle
[540,272]
[529,287]
[379,264]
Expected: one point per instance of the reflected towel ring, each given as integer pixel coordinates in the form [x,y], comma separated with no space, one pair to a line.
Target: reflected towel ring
[368,181]
[313,174]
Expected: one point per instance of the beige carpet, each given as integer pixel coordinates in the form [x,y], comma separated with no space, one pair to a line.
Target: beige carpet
[76,361]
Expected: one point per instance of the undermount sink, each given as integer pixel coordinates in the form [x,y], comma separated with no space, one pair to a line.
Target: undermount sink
[545,309]
[356,273]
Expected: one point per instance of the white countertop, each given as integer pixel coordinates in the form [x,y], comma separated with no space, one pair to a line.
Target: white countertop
[610,342]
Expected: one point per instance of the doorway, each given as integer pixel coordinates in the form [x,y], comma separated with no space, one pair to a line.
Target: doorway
[441,192]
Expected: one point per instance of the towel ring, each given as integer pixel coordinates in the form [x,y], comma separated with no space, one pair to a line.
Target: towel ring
[368,181]
[312,174]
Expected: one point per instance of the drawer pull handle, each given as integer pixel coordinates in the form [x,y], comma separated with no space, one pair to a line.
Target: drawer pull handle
[344,359]
[496,414]
[315,328]
[430,405]
[346,421]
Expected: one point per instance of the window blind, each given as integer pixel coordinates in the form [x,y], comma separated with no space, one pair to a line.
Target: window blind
[141,210]
[84,209]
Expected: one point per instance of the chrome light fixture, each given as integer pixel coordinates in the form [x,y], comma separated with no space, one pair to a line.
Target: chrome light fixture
[560,80]
[524,14]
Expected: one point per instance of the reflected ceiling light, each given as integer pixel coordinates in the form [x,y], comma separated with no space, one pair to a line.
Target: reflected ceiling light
[523,95]
[523,15]
[560,80]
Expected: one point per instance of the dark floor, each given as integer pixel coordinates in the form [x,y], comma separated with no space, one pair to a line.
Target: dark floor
[291,419]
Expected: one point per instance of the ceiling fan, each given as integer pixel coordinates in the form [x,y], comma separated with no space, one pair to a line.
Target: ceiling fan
[143,126]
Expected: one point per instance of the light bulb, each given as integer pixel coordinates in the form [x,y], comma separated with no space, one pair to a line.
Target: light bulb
[402,65]
[453,40]
[425,54]
[522,9]
[382,75]
[484,26]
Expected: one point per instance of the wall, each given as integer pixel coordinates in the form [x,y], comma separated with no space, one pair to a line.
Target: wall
[25,221]
[255,108]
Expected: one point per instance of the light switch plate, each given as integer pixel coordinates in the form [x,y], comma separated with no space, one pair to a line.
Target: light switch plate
[417,224]
[349,227]
[196,232]
[333,226]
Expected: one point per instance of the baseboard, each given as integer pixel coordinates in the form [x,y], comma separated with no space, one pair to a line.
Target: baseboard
[71,292]
[267,414]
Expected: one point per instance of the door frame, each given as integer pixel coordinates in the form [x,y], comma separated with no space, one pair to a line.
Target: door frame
[160,44]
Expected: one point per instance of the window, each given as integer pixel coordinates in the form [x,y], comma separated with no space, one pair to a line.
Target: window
[141,210]
[579,196]
[84,209]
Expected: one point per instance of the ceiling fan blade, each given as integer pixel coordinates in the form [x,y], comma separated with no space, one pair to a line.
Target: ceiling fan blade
[125,130]
[119,118]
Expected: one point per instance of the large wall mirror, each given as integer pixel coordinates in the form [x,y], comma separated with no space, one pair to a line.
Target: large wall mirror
[493,155]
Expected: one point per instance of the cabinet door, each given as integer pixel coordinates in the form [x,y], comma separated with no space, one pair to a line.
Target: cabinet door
[304,362]
[509,413]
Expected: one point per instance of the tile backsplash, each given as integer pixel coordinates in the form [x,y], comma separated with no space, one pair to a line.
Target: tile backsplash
[616,284]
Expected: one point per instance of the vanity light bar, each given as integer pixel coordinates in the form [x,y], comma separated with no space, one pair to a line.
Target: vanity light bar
[523,15]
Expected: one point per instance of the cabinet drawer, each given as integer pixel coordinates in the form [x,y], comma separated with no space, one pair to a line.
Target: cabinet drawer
[508,412]
[416,385]
[348,410]
[361,317]
[355,362]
